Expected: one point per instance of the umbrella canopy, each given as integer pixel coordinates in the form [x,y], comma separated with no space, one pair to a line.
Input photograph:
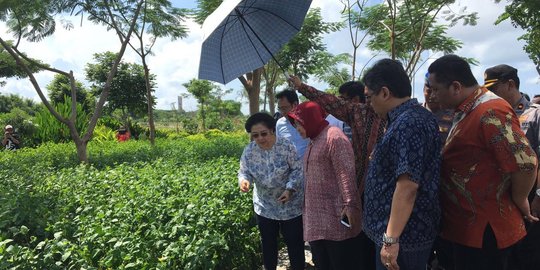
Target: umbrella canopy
[242,35]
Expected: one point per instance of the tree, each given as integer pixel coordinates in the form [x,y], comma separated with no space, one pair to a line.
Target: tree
[60,88]
[128,88]
[158,19]
[12,101]
[34,20]
[352,10]
[406,29]
[9,67]
[301,54]
[305,54]
[202,91]
[526,14]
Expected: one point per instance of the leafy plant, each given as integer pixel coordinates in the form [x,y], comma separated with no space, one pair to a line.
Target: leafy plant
[52,130]
[174,206]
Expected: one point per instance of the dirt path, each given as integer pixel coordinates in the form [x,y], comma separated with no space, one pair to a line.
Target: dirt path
[283,259]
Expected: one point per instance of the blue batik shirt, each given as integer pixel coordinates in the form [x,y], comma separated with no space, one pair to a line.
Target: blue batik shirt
[270,173]
[410,145]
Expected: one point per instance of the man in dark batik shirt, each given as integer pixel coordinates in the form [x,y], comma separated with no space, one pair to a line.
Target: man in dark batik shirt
[401,198]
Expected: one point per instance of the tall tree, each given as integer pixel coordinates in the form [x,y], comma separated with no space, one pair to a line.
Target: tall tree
[406,29]
[34,20]
[526,14]
[128,88]
[202,91]
[158,19]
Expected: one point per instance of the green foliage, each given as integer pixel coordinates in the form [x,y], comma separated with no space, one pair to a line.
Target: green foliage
[60,89]
[22,122]
[31,19]
[9,67]
[10,102]
[414,29]
[103,133]
[202,91]
[128,88]
[52,130]
[526,14]
[204,9]
[179,211]
[306,51]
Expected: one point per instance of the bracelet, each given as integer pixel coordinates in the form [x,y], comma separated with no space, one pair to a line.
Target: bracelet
[388,241]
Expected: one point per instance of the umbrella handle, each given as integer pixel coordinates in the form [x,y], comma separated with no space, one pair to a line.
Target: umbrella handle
[287,77]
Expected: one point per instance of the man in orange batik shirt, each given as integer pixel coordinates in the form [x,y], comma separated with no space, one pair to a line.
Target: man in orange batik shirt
[488,169]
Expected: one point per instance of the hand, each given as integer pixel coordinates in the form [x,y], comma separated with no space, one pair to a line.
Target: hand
[244,185]
[352,214]
[389,255]
[525,209]
[295,81]
[285,196]
[535,206]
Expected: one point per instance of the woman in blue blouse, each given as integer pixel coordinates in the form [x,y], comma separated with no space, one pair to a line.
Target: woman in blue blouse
[271,165]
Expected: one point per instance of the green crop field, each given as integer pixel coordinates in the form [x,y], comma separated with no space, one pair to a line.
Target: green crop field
[172,206]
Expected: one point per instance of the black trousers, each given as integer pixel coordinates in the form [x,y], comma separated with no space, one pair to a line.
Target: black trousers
[339,255]
[526,254]
[293,235]
[489,257]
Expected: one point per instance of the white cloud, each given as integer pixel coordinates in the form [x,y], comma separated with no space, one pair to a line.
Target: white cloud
[176,62]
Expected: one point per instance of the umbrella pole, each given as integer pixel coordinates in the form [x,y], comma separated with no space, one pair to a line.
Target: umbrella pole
[241,16]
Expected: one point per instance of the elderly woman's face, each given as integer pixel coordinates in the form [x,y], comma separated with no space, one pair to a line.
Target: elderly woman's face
[263,136]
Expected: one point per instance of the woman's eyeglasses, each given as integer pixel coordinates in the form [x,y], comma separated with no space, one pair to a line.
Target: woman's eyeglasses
[262,134]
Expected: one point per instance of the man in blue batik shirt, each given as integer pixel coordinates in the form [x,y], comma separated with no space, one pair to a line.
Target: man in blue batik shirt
[401,203]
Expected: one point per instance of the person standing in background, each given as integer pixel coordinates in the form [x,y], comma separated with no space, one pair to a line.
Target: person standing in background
[11,140]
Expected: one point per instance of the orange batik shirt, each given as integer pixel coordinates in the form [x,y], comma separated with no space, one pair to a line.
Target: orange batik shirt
[484,146]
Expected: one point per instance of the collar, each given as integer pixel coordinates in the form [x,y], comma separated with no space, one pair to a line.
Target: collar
[468,104]
[522,104]
[394,113]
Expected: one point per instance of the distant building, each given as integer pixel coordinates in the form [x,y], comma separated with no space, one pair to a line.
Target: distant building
[180,108]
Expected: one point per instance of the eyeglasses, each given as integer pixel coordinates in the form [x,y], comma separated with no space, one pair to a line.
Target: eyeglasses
[262,134]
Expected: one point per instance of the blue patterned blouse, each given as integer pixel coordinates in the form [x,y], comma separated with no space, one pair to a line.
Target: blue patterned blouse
[410,145]
[272,171]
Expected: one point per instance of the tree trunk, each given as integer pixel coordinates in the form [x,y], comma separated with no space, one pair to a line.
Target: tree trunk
[252,84]
[272,100]
[253,96]
[151,124]
[203,117]
[82,151]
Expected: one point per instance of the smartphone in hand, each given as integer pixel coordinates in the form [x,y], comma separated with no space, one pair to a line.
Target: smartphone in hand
[345,221]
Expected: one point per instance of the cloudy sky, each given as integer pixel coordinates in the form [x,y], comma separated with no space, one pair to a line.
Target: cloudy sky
[176,62]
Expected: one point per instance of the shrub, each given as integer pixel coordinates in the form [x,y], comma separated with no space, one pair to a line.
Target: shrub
[173,206]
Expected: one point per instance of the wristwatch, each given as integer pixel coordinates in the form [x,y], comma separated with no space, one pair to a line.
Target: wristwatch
[388,241]
[538,192]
